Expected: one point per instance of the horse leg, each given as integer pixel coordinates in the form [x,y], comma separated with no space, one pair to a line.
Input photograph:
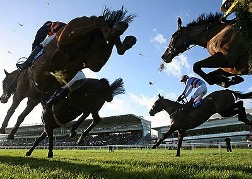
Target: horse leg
[49,132]
[96,120]
[181,134]
[77,124]
[236,108]
[223,76]
[36,143]
[215,61]
[10,112]
[29,107]
[127,43]
[167,134]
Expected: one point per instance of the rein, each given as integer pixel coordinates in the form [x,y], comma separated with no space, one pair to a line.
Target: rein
[33,82]
[55,117]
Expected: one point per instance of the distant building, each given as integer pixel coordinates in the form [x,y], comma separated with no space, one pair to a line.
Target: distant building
[124,126]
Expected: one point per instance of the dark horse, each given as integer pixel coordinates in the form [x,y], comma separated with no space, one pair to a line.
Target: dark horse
[87,98]
[222,102]
[224,43]
[85,42]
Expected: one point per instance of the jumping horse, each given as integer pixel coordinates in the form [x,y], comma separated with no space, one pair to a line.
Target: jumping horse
[85,42]
[229,53]
[87,97]
[223,102]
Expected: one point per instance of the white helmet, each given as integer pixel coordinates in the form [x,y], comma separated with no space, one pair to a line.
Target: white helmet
[184,78]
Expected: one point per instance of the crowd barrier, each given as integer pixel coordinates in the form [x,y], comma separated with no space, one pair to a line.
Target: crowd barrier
[242,144]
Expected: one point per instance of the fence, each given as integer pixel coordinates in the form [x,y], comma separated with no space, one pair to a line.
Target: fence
[191,145]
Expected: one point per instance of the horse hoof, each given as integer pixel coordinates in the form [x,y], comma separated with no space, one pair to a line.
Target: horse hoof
[50,155]
[73,134]
[154,147]
[237,79]
[80,141]
[10,137]
[2,130]
[28,154]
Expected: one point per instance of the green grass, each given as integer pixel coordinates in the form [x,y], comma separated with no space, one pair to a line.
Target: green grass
[134,163]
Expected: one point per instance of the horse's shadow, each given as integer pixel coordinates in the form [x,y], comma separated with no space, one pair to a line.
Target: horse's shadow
[91,170]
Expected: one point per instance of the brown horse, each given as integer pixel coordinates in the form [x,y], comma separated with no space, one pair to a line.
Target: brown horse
[222,102]
[88,97]
[85,42]
[224,43]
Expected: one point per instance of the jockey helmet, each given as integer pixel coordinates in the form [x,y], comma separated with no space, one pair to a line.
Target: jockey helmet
[184,78]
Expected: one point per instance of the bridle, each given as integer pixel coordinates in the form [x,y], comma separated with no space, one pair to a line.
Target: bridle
[9,86]
[186,45]
[173,49]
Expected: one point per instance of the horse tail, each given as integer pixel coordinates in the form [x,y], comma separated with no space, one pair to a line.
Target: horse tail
[242,95]
[112,17]
[117,87]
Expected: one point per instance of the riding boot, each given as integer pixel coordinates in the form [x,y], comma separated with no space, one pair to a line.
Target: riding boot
[118,29]
[30,59]
[59,94]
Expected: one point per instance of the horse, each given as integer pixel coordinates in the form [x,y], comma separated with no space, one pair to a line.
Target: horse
[85,42]
[229,52]
[223,102]
[87,97]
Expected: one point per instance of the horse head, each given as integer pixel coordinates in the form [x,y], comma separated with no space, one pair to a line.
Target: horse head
[178,44]
[9,85]
[164,104]
[157,106]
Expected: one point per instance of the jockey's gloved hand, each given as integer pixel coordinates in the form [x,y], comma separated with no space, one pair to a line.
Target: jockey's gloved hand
[223,19]
[180,98]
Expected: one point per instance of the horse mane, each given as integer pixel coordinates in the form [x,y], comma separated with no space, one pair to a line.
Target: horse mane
[117,87]
[206,19]
[116,16]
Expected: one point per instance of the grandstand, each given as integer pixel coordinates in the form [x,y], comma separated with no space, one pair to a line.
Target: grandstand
[214,130]
[134,130]
[114,130]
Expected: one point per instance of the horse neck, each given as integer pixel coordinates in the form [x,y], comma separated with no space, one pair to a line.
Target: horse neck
[170,106]
[201,34]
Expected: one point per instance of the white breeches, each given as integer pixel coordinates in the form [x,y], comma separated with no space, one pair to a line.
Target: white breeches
[199,93]
[47,40]
[79,76]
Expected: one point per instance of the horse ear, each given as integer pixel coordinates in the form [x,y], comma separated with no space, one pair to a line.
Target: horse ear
[179,23]
[6,73]
[159,96]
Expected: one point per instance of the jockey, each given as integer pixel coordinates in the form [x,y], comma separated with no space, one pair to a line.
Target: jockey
[192,82]
[228,6]
[64,90]
[48,29]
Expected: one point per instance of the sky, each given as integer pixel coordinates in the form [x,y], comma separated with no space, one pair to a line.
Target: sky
[155,22]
